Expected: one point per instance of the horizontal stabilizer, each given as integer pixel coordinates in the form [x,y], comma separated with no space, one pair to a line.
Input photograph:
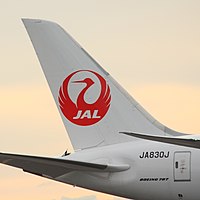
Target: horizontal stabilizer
[55,167]
[193,143]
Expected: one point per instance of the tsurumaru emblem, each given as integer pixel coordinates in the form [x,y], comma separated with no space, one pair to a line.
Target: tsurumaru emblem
[80,109]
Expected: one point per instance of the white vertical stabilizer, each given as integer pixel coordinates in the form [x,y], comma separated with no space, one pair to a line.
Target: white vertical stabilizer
[93,107]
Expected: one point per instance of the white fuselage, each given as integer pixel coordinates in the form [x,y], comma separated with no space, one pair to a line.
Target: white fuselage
[157,171]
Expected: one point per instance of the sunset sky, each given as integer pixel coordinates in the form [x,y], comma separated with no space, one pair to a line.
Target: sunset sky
[151,47]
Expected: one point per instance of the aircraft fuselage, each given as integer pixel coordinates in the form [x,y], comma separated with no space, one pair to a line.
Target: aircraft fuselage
[157,171]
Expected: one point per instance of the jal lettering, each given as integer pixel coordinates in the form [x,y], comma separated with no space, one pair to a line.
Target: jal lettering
[87,114]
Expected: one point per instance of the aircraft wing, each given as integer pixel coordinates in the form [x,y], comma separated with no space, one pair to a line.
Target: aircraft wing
[193,143]
[55,167]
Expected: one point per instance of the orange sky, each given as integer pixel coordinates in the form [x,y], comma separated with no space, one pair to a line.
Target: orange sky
[151,47]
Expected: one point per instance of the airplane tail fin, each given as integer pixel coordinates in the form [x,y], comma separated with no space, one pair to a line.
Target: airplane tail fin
[93,106]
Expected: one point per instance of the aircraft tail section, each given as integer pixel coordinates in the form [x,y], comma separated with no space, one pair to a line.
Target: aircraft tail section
[93,107]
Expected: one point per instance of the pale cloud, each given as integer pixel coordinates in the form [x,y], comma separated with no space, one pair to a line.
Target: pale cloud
[174,105]
[29,114]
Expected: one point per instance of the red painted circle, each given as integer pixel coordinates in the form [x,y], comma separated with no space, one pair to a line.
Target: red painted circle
[83,113]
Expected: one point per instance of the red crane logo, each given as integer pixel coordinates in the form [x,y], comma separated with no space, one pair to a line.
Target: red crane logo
[81,112]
